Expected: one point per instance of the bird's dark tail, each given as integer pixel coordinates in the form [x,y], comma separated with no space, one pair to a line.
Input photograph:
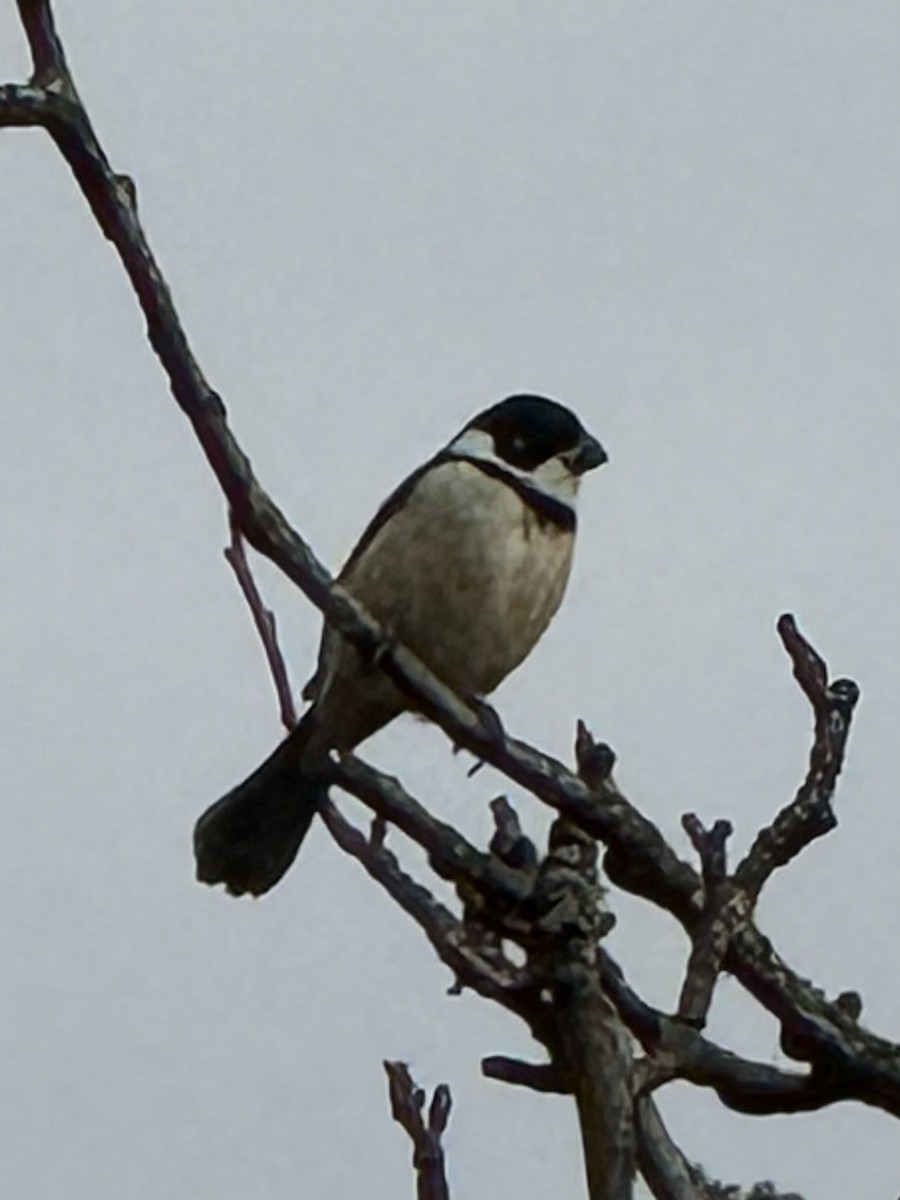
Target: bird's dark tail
[249,838]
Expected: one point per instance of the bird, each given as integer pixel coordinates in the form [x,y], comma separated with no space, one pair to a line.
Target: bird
[465,564]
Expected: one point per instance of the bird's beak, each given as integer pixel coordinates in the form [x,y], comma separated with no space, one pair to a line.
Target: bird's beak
[588,455]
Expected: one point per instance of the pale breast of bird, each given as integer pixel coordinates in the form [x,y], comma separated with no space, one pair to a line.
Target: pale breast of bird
[465,573]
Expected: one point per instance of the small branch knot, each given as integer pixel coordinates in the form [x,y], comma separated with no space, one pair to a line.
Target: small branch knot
[843,697]
[851,1004]
[595,760]
[439,1109]
[509,843]
[710,845]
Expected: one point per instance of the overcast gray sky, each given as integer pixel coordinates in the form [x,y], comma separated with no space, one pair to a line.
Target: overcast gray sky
[377,218]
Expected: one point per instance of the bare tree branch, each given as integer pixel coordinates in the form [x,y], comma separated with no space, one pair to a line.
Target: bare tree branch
[264,620]
[723,908]
[425,1132]
[669,1174]
[814,1029]
[478,965]
[51,70]
[810,813]
[600,1057]
[594,1048]
[666,1170]
[676,1050]
[449,853]
[539,1077]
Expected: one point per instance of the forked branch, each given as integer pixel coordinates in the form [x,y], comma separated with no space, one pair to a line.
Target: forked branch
[425,1129]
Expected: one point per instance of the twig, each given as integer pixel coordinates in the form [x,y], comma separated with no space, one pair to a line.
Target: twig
[810,813]
[408,1110]
[449,853]
[724,907]
[595,760]
[47,54]
[509,843]
[539,1077]
[264,620]
[481,966]
[710,845]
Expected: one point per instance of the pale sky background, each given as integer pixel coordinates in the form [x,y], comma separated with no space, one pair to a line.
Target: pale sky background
[680,218]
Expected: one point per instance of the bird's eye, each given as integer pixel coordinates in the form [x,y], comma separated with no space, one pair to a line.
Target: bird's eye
[518,444]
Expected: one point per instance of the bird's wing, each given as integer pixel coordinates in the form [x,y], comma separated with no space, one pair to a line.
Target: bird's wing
[395,501]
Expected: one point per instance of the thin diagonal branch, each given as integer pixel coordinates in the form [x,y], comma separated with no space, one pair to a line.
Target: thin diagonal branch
[479,965]
[264,620]
[665,1169]
[450,854]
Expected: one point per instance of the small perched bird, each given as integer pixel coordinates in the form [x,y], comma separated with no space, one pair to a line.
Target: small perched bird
[465,564]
